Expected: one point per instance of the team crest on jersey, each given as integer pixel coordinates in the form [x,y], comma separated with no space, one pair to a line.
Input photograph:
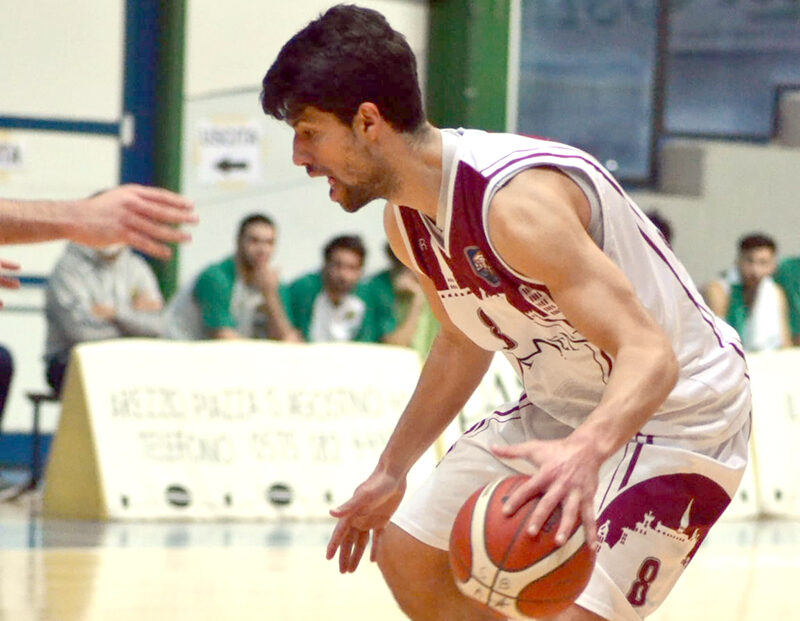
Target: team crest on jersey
[481,266]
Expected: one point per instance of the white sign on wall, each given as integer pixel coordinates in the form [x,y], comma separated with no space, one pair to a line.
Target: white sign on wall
[229,151]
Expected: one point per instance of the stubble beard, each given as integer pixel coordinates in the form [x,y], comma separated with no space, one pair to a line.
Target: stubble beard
[379,183]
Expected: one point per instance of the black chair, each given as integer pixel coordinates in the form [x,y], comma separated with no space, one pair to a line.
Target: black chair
[37,398]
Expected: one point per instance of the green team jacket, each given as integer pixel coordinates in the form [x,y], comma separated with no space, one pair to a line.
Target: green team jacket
[300,305]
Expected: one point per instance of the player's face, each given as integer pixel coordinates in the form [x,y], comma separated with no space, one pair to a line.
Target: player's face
[327,147]
[755,264]
[342,271]
[257,244]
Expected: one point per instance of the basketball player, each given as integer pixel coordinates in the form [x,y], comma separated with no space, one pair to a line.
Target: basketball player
[635,415]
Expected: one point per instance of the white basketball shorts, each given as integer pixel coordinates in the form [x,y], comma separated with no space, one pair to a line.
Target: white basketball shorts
[655,503]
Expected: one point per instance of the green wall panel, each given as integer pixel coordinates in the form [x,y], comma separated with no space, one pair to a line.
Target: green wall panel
[468,63]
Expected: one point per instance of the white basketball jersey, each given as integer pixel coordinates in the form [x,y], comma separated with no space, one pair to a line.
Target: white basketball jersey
[500,309]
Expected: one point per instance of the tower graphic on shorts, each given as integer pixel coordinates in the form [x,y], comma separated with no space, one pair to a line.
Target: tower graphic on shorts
[650,531]
[677,540]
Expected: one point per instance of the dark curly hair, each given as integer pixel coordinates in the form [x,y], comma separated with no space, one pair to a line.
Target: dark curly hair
[347,56]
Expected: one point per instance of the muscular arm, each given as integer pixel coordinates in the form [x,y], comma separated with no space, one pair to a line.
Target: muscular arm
[536,226]
[440,394]
[537,223]
[438,397]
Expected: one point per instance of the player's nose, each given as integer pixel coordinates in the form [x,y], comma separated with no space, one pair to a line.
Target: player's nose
[300,157]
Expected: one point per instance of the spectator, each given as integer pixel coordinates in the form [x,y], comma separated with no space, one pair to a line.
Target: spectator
[749,299]
[139,215]
[398,312]
[239,297]
[788,277]
[329,305]
[96,294]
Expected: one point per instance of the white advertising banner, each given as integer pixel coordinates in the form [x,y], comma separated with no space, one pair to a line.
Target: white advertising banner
[775,379]
[245,429]
[260,430]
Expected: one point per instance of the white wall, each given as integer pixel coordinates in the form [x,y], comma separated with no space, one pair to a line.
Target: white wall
[719,191]
[61,59]
[231,44]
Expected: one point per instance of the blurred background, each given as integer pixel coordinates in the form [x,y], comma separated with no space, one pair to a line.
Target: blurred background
[693,104]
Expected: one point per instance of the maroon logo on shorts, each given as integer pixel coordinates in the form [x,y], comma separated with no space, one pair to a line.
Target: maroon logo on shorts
[680,507]
[653,523]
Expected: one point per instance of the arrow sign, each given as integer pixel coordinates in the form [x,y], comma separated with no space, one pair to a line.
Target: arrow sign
[227,165]
[229,151]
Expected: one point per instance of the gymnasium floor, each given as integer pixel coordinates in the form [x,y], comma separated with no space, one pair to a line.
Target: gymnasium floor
[237,571]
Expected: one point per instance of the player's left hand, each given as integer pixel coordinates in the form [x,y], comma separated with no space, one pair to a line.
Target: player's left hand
[567,475]
[370,508]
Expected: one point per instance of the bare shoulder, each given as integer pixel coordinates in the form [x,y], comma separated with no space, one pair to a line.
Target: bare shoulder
[540,193]
[538,221]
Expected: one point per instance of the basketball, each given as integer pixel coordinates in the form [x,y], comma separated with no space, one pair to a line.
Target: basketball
[496,562]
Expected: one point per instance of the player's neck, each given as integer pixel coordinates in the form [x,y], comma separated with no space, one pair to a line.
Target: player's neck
[418,163]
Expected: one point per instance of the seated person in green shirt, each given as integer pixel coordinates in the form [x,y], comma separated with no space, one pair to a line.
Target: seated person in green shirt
[329,305]
[398,311]
[239,297]
[788,277]
[749,299]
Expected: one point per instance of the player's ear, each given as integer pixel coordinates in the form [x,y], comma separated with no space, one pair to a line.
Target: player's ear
[367,118]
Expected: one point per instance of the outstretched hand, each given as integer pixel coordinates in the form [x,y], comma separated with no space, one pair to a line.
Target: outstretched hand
[139,216]
[369,509]
[567,475]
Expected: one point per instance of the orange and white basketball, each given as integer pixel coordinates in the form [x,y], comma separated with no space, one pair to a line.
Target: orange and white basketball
[496,562]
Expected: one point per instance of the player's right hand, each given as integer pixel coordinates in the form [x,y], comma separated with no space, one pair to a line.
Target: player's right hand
[369,510]
[567,474]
